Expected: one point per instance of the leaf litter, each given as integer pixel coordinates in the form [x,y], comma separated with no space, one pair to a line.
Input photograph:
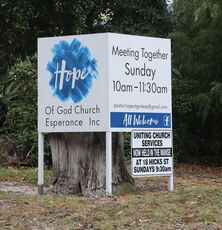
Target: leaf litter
[196,203]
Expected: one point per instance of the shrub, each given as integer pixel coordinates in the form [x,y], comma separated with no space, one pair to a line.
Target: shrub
[21,116]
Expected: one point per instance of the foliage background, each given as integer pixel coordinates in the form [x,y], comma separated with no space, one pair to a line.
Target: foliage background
[197,78]
[195,28]
[23,21]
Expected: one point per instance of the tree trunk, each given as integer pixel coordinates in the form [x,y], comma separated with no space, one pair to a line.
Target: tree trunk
[79,163]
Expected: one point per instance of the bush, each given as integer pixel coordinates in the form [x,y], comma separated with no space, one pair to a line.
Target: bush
[21,116]
[127,145]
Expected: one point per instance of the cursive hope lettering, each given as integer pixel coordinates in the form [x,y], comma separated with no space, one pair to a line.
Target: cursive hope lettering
[68,75]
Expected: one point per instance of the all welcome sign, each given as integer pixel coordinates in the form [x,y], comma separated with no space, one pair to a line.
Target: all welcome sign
[104,82]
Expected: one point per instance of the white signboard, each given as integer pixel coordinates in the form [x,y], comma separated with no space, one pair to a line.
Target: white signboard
[152,153]
[139,82]
[72,83]
[103,82]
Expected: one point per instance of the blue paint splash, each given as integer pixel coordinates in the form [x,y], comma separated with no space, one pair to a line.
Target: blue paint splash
[72,71]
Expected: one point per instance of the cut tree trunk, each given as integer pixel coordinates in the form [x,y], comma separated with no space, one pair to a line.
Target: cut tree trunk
[79,163]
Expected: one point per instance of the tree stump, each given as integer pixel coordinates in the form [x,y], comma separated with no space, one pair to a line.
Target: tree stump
[79,162]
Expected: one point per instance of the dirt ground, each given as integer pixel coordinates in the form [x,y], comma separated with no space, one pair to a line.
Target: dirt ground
[196,203]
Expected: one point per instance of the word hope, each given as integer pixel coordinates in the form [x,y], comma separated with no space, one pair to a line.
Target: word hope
[69,76]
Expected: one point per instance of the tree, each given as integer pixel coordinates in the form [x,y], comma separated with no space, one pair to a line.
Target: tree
[149,18]
[197,61]
[22,22]
[79,159]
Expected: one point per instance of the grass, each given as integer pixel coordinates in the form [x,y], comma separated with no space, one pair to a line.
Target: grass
[189,207]
[150,211]
[25,175]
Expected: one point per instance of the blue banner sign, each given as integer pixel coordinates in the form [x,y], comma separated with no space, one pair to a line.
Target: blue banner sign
[140,120]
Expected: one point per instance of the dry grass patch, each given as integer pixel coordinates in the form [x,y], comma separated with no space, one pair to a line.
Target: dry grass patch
[195,204]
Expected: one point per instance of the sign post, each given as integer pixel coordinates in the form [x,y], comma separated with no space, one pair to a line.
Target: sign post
[108,163]
[40,163]
[170,182]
